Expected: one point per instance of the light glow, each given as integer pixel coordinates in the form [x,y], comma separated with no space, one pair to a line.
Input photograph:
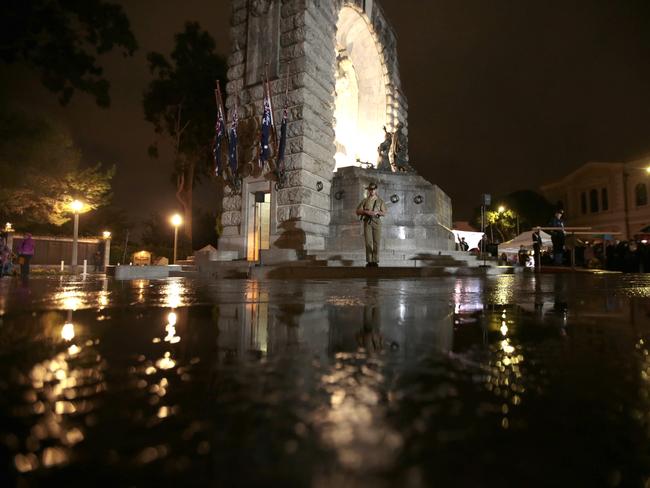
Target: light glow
[67,332]
[176,220]
[76,206]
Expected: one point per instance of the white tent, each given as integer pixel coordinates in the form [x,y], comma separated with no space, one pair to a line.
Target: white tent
[525,239]
[472,238]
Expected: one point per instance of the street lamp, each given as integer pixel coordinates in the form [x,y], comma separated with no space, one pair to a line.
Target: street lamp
[107,249]
[76,206]
[176,221]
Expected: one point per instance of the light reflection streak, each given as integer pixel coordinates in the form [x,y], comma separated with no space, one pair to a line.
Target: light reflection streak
[174,291]
[505,373]
[352,421]
[59,400]
[170,328]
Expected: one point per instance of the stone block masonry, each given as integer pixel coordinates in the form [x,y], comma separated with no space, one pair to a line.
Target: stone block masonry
[300,37]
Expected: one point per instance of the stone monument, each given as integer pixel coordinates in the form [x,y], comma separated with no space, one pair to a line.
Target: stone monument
[339,58]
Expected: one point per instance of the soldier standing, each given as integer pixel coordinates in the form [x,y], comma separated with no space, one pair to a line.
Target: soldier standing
[371,209]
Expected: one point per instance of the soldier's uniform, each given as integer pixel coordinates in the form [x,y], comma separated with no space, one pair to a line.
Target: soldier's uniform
[372,227]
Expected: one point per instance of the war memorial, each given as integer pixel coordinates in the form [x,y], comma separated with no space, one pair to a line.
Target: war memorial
[335,65]
[381,379]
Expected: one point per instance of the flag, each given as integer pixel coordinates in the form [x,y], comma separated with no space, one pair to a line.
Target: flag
[283,137]
[219,132]
[267,123]
[232,143]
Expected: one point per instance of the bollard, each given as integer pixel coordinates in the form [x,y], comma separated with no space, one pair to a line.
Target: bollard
[85,265]
[61,266]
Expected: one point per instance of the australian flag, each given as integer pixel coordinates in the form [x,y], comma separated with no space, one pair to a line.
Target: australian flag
[267,122]
[219,132]
[283,137]
[232,143]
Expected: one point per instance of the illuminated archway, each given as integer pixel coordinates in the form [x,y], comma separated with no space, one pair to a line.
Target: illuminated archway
[361,95]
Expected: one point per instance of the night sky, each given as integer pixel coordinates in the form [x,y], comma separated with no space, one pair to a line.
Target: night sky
[503,95]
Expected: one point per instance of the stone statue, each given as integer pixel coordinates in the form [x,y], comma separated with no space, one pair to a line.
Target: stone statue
[399,150]
[383,152]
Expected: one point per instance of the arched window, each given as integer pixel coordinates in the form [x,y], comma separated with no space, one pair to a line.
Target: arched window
[641,193]
[583,202]
[593,201]
[604,199]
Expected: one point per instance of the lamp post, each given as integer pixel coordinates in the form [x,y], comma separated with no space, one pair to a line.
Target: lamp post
[176,221]
[76,206]
[9,229]
[107,249]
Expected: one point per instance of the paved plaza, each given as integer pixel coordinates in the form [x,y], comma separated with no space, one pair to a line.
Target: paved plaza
[512,380]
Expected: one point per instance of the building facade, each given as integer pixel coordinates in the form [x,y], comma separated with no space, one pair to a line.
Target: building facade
[610,197]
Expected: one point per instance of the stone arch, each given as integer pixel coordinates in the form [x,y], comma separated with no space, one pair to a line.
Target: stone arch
[295,42]
[361,93]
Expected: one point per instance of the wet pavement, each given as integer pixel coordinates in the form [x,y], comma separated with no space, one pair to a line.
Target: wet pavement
[511,380]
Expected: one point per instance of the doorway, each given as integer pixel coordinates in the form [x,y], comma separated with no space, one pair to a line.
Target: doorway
[259,224]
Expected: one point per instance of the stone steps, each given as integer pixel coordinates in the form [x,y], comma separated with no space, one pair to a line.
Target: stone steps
[337,273]
[400,259]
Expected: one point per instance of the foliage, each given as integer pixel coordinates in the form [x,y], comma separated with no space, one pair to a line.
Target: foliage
[61,38]
[188,82]
[42,173]
[505,223]
[180,104]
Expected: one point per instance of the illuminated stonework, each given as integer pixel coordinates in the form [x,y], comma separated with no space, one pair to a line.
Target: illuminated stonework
[344,86]
[360,111]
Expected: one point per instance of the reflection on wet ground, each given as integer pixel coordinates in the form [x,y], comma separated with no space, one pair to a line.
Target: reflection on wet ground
[513,380]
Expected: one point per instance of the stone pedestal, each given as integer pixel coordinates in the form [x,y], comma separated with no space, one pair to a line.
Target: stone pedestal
[419,213]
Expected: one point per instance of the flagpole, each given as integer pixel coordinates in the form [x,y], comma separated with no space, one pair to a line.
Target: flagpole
[221,121]
[270,95]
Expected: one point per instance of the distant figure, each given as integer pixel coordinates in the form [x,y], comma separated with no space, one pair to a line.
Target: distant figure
[25,254]
[558,237]
[522,255]
[371,210]
[537,248]
[97,261]
[5,258]
[462,244]
[504,259]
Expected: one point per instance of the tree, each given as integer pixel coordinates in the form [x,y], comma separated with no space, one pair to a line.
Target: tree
[42,173]
[503,222]
[180,104]
[524,209]
[60,38]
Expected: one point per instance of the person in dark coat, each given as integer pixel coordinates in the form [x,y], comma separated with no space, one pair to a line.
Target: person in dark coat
[558,237]
[25,254]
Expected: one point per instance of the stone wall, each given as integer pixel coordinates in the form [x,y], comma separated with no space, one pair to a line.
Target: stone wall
[306,50]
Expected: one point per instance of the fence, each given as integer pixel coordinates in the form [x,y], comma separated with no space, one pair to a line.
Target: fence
[53,250]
